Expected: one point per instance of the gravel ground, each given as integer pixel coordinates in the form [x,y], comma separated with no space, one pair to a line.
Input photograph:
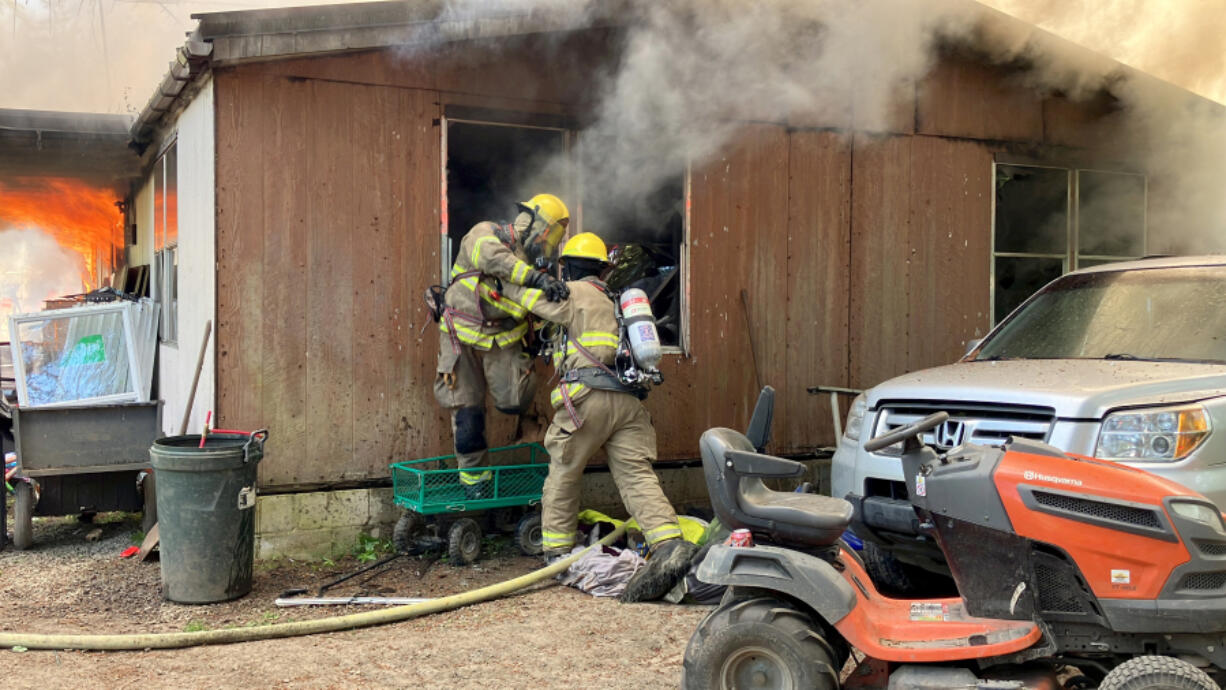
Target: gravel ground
[546,637]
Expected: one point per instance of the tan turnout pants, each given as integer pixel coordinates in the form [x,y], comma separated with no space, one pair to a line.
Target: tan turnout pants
[460,386]
[619,423]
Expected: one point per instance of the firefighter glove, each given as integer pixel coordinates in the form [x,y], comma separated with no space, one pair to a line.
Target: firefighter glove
[556,290]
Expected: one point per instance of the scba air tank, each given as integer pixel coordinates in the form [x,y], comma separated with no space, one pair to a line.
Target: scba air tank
[640,326]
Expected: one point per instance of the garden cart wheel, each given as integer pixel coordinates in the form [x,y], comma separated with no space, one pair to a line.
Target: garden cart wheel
[464,541]
[408,527]
[23,515]
[528,534]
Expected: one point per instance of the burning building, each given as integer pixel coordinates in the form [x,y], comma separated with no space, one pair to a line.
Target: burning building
[63,178]
[824,200]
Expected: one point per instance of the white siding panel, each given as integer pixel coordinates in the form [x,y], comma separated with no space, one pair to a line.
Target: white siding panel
[197,281]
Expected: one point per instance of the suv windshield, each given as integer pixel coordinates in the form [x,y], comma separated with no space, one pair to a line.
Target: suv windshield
[1146,314]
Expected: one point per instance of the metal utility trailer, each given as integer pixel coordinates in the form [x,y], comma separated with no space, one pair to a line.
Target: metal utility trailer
[81,459]
[435,500]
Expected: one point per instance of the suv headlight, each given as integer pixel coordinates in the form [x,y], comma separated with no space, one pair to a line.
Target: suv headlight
[855,418]
[1161,435]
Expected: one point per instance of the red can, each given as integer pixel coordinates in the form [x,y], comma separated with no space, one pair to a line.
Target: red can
[740,537]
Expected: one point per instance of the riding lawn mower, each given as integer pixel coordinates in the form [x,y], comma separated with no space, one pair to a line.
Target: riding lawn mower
[1072,573]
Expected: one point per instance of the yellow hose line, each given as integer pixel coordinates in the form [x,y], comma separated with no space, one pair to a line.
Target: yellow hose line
[312,627]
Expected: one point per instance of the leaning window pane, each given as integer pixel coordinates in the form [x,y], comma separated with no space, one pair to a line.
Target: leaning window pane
[1110,214]
[1031,209]
[74,358]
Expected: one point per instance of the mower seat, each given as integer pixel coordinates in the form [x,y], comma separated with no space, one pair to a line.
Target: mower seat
[734,473]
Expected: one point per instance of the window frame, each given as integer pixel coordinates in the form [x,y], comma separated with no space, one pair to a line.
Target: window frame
[165,283]
[1072,257]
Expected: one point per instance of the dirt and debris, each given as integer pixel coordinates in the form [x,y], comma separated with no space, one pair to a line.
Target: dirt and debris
[546,637]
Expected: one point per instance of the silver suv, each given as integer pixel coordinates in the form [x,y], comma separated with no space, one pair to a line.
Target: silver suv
[1123,362]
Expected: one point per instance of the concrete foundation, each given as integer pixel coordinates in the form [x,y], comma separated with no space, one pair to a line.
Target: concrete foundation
[326,524]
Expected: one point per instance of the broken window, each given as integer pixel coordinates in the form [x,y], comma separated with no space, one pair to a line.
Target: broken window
[647,242]
[1052,220]
[166,242]
[492,165]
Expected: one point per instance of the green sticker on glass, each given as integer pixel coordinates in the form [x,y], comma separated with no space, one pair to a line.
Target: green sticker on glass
[88,350]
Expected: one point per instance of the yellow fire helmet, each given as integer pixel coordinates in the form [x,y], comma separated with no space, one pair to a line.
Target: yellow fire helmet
[586,245]
[554,215]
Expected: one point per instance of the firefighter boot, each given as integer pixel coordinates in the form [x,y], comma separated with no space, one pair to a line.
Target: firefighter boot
[667,563]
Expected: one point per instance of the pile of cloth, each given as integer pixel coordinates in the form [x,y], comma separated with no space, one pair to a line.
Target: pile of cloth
[605,572]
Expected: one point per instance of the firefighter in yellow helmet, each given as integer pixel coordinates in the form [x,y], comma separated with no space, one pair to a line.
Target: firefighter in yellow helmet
[593,409]
[481,330]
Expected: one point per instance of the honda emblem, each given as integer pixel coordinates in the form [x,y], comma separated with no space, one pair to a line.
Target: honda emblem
[949,434]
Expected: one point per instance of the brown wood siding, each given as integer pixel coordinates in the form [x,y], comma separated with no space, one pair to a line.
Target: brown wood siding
[323,201]
[819,256]
[965,99]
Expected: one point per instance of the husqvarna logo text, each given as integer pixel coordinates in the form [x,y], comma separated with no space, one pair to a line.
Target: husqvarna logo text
[1031,475]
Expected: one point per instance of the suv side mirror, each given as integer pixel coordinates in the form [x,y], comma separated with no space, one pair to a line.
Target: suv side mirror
[759,432]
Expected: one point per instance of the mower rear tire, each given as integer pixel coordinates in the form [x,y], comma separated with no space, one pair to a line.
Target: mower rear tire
[528,535]
[894,577]
[760,643]
[1157,673]
[404,534]
[463,541]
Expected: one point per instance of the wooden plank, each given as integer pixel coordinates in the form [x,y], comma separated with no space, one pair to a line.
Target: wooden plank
[329,280]
[963,98]
[818,281]
[426,427]
[738,241]
[950,248]
[880,216]
[240,249]
[287,224]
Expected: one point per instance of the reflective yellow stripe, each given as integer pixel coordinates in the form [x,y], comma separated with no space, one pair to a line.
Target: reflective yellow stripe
[531,297]
[471,478]
[519,272]
[507,305]
[470,283]
[555,398]
[477,249]
[514,335]
[468,336]
[556,539]
[659,534]
[456,270]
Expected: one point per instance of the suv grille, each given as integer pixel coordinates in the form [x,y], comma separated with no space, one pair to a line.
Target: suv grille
[989,425]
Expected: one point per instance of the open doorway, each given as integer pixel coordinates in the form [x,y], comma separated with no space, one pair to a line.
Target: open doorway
[492,165]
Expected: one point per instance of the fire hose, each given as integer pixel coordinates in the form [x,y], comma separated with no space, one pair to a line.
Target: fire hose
[351,621]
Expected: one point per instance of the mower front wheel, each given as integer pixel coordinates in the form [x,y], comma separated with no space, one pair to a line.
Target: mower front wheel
[759,643]
[1157,673]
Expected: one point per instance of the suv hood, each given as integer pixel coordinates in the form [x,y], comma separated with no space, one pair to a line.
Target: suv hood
[1076,388]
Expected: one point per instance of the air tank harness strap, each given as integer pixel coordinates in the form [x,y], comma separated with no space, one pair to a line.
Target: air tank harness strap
[604,369]
[450,314]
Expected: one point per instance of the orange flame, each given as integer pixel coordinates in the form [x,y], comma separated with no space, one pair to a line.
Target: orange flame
[82,218]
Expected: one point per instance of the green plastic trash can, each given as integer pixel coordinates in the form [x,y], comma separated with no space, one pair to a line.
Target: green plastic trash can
[206,514]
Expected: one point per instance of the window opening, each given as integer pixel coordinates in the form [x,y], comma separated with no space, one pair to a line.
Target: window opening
[1048,221]
[648,240]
